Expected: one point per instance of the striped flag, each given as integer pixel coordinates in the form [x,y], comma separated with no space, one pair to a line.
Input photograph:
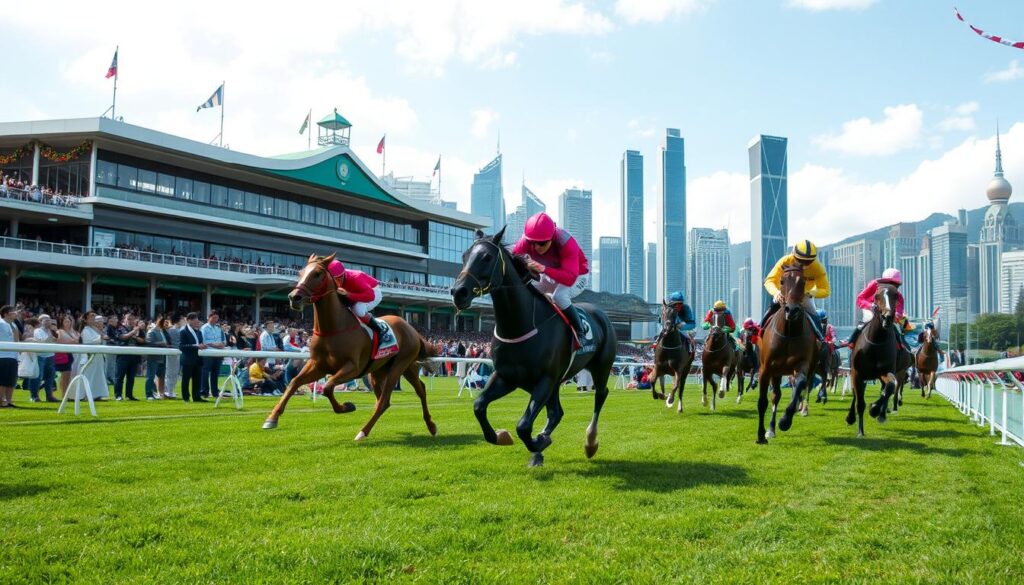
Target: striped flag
[305,123]
[437,167]
[112,70]
[217,99]
[380,145]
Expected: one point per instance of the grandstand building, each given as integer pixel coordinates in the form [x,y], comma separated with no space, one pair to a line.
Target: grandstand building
[125,215]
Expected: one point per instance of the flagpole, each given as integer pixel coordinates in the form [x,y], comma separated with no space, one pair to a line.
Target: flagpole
[222,83]
[440,172]
[309,130]
[384,157]
[113,107]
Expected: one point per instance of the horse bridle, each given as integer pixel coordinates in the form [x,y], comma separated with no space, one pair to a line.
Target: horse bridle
[480,290]
[318,294]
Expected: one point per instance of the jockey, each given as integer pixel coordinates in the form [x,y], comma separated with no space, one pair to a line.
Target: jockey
[730,324]
[866,303]
[751,330]
[685,320]
[829,330]
[363,291]
[554,254]
[815,282]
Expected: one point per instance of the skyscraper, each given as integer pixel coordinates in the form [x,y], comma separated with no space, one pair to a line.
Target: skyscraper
[901,241]
[769,220]
[862,256]
[610,253]
[926,302]
[575,212]
[516,221]
[973,284]
[709,267]
[743,307]
[652,273]
[672,214]
[999,233]
[949,271]
[1011,279]
[487,198]
[631,175]
[912,305]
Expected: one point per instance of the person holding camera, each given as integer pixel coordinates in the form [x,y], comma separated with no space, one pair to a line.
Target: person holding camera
[131,333]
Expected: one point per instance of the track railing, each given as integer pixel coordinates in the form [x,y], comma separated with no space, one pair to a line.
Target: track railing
[991,394]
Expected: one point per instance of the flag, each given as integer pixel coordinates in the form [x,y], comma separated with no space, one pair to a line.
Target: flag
[217,99]
[112,70]
[935,313]
[305,123]
[437,167]
[380,145]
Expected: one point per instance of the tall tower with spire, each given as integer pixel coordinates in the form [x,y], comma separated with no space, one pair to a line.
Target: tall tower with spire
[999,233]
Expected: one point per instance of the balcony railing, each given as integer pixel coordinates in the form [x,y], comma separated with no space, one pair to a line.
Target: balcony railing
[37,196]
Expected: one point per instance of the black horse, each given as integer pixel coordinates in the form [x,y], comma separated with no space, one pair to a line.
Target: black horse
[874,357]
[748,364]
[532,347]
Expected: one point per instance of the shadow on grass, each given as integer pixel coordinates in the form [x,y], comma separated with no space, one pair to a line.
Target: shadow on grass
[934,433]
[21,490]
[423,440]
[665,475]
[884,444]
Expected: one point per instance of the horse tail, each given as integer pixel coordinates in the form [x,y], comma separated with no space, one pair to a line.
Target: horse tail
[427,351]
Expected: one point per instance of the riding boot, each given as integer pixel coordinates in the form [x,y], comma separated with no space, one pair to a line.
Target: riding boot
[574,321]
[817,326]
[771,311]
[382,330]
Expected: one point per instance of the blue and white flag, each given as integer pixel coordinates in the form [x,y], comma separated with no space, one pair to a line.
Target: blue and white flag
[217,99]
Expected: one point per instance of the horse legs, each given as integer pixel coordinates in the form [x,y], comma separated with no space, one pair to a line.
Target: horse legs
[704,397]
[658,374]
[600,394]
[879,407]
[776,384]
[858,402]
[799,382]
[555,412]
[931,383]
[383,386]
[310,373]
[539,397]
[346,373]
[495,388]
[412,375]
[714,389]
[678,383]
[762,406]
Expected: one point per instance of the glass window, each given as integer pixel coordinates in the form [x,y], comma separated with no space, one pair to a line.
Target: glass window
[333,219]
[183,188]
[389,230]
[146,181]
[378,228]
[106,173]
[127,176]
[321,216]
[219,195]
[308,213]
[294,211]
[201,192]
[252,202]
[162,245]
[346,222]
[281,208]
[266,205]
[236,199]
[165,185]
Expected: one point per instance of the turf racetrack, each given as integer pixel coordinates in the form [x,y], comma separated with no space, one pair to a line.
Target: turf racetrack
[165,492]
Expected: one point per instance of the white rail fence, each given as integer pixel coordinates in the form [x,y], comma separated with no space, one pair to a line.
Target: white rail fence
[990,394]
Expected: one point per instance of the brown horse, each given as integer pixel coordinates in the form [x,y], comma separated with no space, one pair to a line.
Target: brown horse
[788,348]
[873,357]
[340,348]
[926,360]
[719,357]
[747,364]
[904,361]
[673,356]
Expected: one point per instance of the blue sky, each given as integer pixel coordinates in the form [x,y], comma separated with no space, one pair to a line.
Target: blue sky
[889,105]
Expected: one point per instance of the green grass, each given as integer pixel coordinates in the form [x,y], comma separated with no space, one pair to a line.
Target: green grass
[152,492]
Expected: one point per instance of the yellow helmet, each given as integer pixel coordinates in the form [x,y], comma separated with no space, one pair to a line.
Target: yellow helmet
[805,250]
[719,305]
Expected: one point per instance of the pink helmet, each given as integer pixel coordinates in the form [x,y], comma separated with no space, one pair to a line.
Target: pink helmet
[336,268]
[748,323]
[892,275]
[539,228]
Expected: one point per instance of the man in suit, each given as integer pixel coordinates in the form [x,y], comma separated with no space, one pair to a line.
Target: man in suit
[191,364]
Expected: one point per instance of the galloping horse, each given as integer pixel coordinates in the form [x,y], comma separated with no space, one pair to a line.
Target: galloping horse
[339,347]
[788,348]
[748,364]
[672,356]
[904,361]
[719,357]
[532,346]
[873,357]
[926,360]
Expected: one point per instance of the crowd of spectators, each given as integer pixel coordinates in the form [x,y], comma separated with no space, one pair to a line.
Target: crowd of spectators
[12,188]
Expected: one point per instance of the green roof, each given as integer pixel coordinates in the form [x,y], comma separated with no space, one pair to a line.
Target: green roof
[343,174]
[334,121]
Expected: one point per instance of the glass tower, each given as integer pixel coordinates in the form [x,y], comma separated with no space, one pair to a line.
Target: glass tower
[610,253]
[672,215]
[487,199]
[631,175]
[769,222]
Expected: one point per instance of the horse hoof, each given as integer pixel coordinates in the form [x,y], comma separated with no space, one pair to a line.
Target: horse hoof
[881,419]
[762,441]
[739,399]
[536,460]
[589,449]
[769,435]
[504,438]
[721,393]
[543,442]
[269,424]
[345,408]
[804,412]
[785,423]
[360,436]
[668,404]
[433,429]
[922,394]
[860,435]
[704,401]
[875,410]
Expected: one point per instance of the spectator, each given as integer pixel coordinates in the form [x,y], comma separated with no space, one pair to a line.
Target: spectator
[110,333]
[213,337]
[265,382]
[131,333]
[267,341]
[64,363]
[172,367]
[191,364]
[94,367]
[8,359]
[46,332]
[156,365]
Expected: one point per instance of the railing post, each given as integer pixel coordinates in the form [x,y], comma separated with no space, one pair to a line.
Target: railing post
[991,408]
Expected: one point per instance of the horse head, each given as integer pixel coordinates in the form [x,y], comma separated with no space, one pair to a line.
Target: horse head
[885,298]
[793,291]
[668,317]
[484,266]
[314,283]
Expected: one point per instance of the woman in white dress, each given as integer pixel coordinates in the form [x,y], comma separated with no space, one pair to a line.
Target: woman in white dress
[95,372]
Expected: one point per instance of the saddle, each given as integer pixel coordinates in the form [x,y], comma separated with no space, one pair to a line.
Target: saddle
[586,344]
[381,345]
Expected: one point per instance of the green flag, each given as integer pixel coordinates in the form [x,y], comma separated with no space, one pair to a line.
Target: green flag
[305,123]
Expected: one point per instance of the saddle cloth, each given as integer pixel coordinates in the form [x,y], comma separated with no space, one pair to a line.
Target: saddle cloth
[584,343]
[381,346]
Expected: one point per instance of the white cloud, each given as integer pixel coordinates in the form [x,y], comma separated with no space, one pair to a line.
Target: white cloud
[1012,72]
[482,120]
[963,120]
[967,108]
[636,11]
[820,5]
[899,130]
[720,200]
